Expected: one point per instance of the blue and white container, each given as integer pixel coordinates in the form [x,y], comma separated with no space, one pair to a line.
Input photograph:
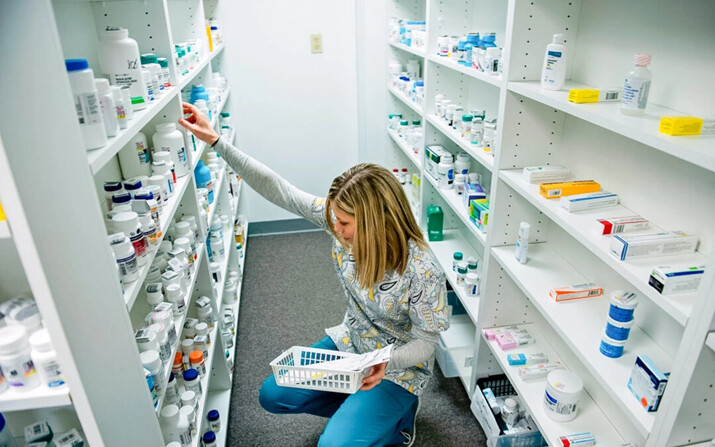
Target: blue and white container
[623,304]
[611,348]
[618,330]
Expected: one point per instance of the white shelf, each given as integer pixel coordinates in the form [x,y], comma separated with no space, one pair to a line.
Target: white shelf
[443,250]
[196,440]
[219,48]
[4,230]
[579,226]
[227,247]
[405,148]
[589,417]
[407,101]
[401,46]
[710,340]
[99,157]
[643,129]
[469,71]
[581,323]
[38,397]
[132,289]
[220,178]
[455,202]
[179,325]
[459,341]
[476,152]
[221,401]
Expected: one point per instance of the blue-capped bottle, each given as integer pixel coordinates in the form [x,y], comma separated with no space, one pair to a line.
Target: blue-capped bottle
[203,179]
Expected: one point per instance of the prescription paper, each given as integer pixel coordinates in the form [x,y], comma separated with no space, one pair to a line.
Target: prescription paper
[359,362]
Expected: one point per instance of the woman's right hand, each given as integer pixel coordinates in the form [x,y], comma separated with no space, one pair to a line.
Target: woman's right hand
[198,124]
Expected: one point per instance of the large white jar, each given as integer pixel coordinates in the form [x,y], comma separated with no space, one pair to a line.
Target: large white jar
[168,138]
[120,61]
[87,105]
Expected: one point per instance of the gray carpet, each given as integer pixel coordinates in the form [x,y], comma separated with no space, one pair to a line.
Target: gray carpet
[290,294]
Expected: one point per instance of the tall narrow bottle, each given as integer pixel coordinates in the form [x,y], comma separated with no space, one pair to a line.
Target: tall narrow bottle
[553,74]
[637,86]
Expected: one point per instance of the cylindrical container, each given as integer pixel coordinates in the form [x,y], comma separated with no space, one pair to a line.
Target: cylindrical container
[637,86]
[134,157]
[217,250]
[149,231]
[176,298]
[202,328]
[127,99]
[177,368]
[167,138]
[562,395]
[133,185]
[510,411]
[162,338]
[610,347]
[472,284]
[623,305]
[165,76]
[477,132]
[150,85]
[206,316]
[192,381]
[193,225]
[522,242]
[189,398]
[196,359]
[166,157]
[461,166]
[147,340]
[108,107]
[553,73]
[15,361]
[445,168]
[201,343]
[209,439]
[111,188]
[459,181]
[6,438]
[184,244]
[172,391]
[160,181]
[155,190]
[164,318]
[187,347]
[214,421]
[86,101]
[462,273]
[152,362]
[203,179]
[154,294]
[125,256]
[184,230]
[229,292]
[618,330]
[119,106]
[120,61]
[44,358]
[457,257]
[188,412]
[128,223]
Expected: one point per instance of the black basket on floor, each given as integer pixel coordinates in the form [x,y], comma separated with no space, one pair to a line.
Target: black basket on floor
[499,384]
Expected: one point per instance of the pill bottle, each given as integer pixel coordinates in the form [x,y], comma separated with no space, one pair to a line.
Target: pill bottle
[173,427]
[150,85]
[457,257]
[206,316]
[187,347]
[637,86]
[172,391]
[86,101]
[188,412]
[162,338]
[459,181]
[618,330]
[107,106]
[190,398]
[510,411]
[125,256]
[119,59]
[128,223]
[184,244]
[134,157]
[562,395]
[472,264]
[196,360]
[203,179]
[152,362]
[111,188]
[133,185]
[461,166]
[146,340]
[127,100]
[184,230]
[214,421]
[209,439]
[177,367]
[166,157]
[217,250]
[229,292]
[44,358]
[149,230]
[164,318]
[175,296]
[150,385]
[119,106]
[201,343]
[202,328]
[15,361]
[623,305]
[461,273]
[168,139]
[610,347]
[445,168]
[192,382]
[472,284]
[477,132]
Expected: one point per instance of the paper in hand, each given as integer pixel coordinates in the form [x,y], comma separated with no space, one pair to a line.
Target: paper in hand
[359,362]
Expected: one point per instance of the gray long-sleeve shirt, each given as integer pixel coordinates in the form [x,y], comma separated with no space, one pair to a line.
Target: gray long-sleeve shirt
[406,310]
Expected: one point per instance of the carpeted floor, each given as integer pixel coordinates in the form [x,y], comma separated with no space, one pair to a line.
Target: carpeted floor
[290,294]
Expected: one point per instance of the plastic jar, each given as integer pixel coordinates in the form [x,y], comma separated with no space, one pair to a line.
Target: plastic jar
[461,166]
[184,244]
[148,227]
[562,395]
[146,340]
[173,427]
[168,139]
[177,368]
[209,439]
[107,106]
[191,220]
[202,329]
[623,305]
[466,127]
[164,318]
[44,358]
[472,264]
[610,347]
[15,361]
[162,338]
[111,188]
[472,284]
[459,181]
[187,347]
[192,382]
[125,256]
[462,273]
[214,421]
[229,292]
[184,230]
[119,60]
[134,157]
[510,411]
[87,103]
[189,398]
[128,223]
[172,391]
[188,412]
[445,169]
[217,250]
[175,296]
[457,257]
[477,132]
[618,330]
[152,362]
[206,316]
[201,343]
[196,360]
[157,167]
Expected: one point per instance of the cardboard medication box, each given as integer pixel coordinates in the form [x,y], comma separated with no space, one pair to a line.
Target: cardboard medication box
[626,247]
[434,154]
[591,95]
[556,190]
[647,383]
[542,174]
[672,279]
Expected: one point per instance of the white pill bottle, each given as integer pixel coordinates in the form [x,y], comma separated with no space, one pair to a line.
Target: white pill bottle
[120,61]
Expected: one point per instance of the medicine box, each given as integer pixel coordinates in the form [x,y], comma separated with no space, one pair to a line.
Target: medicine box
[472,191]
[433,154]
[556,190]
[626,247]
[589,201]
[680,125]
[672,279]
[543,174]
[591,95]
[647,383]
[615,225]
[575,292]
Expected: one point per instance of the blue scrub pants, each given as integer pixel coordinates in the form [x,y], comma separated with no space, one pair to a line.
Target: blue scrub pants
[371,418]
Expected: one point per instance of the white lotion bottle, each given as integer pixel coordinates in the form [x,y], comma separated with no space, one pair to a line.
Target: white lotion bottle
[522,242]
[168,138]
[553,74]
[87,105]
[134,157]
[637,86]
[120,61]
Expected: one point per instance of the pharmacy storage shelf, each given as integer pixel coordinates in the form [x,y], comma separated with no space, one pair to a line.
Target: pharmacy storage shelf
[179,324]
[100,157]
[469,71]
[456,203]
[400,141]
[200,145]
[4,230]
[581,323]
[188,78]
[458,341]
[202,401]
[420,52]
[444,250]
[407,101]
[643,129]
[227,247]
[132,289]
[580,225]
[477,152]
[219,48]
[38,397]
[236,307]
[589,418]
[220,400]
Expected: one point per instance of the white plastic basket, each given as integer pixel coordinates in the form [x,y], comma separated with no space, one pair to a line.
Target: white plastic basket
[299,367]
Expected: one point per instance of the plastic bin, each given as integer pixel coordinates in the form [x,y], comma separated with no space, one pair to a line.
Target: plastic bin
[455,351]
[299,367]
[500,386]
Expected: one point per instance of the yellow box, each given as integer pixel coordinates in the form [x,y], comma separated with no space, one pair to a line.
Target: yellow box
[590,95]
[681,125]
[559,189]
[2,213]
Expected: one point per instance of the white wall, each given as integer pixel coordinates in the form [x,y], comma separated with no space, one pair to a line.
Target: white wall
[294,111]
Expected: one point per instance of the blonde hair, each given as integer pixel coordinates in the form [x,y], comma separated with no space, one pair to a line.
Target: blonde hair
[384,222]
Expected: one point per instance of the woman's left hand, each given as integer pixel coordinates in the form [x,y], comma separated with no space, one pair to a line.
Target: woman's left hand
[377,373]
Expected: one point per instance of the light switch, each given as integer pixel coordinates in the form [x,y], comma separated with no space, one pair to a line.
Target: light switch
[316,43]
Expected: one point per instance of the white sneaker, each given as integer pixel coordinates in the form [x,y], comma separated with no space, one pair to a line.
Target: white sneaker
[411,435]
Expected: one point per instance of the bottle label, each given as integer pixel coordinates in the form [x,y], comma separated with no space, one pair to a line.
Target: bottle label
[17,373]
[128,265]
[88,108]
[182,156]
[139,243]
[142,152]
[635,93]
[53,374]
[121,112]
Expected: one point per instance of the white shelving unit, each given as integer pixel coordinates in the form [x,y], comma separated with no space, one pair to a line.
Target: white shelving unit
[625,154]
[61,255]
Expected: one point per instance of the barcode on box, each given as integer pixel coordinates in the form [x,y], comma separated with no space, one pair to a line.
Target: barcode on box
[611,96]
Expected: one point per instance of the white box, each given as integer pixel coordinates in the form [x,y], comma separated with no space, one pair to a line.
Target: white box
[681,278]
[589,201]
[433,153]
[615,225]
[544,174]
[626,247]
